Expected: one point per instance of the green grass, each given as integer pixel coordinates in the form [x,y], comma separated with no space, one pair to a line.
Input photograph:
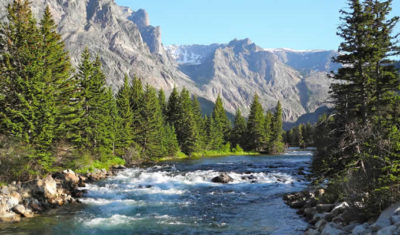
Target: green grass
[209,153]
[107,164]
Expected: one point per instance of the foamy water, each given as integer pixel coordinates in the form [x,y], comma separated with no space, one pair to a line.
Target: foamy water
[180,198]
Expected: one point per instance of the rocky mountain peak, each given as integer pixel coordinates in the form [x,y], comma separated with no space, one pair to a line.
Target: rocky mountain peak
[141,18]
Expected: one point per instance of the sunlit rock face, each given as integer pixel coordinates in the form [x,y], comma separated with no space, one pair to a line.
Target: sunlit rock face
[240,68]
[128,44]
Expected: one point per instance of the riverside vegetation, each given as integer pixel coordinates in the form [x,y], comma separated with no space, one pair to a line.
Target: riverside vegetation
[356,164]
[55,117]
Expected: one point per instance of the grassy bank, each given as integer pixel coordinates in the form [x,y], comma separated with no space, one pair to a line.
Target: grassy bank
[211,153]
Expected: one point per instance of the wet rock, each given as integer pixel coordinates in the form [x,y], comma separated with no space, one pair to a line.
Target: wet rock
[395,219]
[384,219]
[309,213]
[320,225]
[97,175]
[311,231]
[222,178]
[332,229]
[388,230]
[325,207]
[361,229]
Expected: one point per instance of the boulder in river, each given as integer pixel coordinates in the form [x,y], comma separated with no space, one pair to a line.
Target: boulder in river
[222,178]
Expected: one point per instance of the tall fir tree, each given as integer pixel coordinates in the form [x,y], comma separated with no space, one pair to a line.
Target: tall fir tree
[125,125]
[238,134]
[255,127]
[221,119]
[277,145]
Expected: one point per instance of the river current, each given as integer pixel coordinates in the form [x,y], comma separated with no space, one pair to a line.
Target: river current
[179,198]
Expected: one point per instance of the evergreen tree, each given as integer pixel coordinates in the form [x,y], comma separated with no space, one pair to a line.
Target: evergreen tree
[56,60]
[220,119]
[238,133]
[277,145]
[255,127]
[94,126]
[136,102]
[200,124]
[186,128]
[268,128]
[173,108]
[162,102]
[125,129]
[150,135]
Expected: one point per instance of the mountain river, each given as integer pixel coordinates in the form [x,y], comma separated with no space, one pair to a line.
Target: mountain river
[179,198]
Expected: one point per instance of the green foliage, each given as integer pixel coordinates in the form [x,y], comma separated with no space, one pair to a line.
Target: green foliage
[359,150]
[255,127]
[238,134]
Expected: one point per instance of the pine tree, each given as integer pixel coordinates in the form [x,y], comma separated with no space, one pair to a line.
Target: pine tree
[56,60]
[186,128]
[277,145]
[125,129]
[238,133]
[255,127]
[268,128]
[150,135]
[162,102]
[200,124]
[136,102]
[94,126]
[173,108]
[214,134]
[220,119]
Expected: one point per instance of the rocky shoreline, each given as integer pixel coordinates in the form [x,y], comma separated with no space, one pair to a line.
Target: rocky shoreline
[339,218]
[28,199]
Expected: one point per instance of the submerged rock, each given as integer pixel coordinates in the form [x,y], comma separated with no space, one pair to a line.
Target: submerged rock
[223,178]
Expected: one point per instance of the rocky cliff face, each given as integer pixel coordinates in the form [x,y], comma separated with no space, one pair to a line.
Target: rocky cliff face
[128,44]
[240,68]
[124,39]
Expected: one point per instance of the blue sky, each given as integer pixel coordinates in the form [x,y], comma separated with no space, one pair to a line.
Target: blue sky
[297,24]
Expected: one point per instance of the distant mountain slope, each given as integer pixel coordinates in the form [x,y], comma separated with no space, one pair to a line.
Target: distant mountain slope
[240,68]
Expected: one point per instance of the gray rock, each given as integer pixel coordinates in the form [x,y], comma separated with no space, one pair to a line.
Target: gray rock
[395,219]
[320,225]
[361,229]
[384,219]
[332,229]
[390,230]
[222,178]
[311,231]
[324,207]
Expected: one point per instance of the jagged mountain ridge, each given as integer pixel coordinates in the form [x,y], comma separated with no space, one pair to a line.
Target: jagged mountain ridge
[123,38]
[128,44]
[240,68]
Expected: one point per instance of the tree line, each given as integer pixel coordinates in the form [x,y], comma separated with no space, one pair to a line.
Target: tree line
[67,117]
[358,144]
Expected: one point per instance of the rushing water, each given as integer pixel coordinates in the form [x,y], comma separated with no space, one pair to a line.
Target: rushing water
[179,198]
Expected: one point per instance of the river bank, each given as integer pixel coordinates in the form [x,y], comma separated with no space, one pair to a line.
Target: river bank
[339,218]
[27,199]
